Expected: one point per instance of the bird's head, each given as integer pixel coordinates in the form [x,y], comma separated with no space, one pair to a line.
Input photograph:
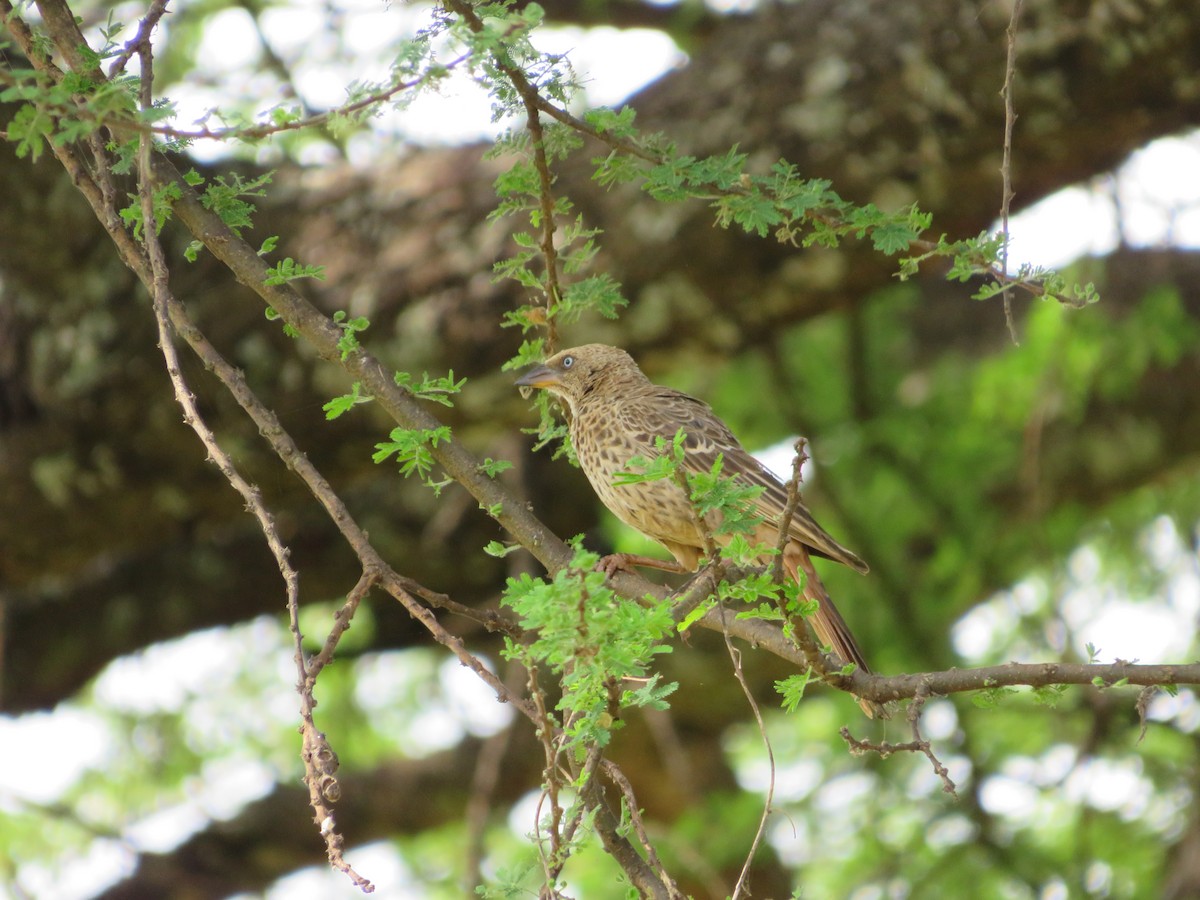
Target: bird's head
[572,375]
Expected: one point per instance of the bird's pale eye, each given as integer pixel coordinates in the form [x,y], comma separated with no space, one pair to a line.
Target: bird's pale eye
[568,361]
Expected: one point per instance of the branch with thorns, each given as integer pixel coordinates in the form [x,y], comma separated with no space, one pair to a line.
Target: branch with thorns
[918,744]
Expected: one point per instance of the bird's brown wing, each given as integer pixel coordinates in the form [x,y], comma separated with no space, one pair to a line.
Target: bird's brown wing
[669,410]
[663,411]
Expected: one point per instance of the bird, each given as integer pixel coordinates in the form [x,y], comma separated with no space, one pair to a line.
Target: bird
[616,413]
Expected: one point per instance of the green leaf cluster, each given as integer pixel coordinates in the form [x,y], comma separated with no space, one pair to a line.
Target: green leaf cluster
[343,404]
[163,198]
[439,390]
[351,327]
[412,448]
[71,109]
[595,641]
[290,270]
[732,501]
[792,689]
[520,190]
[226,196]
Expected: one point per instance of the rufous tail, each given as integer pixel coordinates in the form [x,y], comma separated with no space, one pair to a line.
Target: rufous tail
[827,623]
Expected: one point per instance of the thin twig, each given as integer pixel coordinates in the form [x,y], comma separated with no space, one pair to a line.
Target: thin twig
[735,657]
[341,624]
[532,100]
[618,777]
[320,761]
[149,22]
[789,508]
[126,124]
[917,745]
[537,136]
[546,732]
[1010,117]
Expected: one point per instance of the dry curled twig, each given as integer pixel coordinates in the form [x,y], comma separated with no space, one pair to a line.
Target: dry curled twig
[917,745]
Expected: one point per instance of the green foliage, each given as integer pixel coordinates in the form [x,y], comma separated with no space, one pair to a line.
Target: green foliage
[439,390]
[163,198]
[29,128]
[713,492]
[696,615]
[792,689]
[666,462]
[500,43]
[225,196]
[531,352]
[351,328]
[595,641]
[343,404]
[501,550]
[520,190]
[752,588]
[289,270]
[69,110]
[1050,695]
[550,430]
[412,449]
[124,155]
[493,467]
[992,697]
[272,315]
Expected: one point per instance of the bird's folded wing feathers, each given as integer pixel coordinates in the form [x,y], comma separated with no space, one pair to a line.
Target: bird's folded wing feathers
[707,437]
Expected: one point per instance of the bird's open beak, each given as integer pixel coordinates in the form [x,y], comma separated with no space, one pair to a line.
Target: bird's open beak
[538,377]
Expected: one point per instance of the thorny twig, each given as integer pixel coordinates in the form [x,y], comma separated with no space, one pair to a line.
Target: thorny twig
[550,780]
[917,745]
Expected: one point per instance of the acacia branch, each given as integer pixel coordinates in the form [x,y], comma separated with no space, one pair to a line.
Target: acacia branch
[828,215]
[884,688]
[149,264]
[320,761]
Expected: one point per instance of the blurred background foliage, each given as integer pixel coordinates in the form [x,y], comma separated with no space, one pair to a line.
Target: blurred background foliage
[1014,501]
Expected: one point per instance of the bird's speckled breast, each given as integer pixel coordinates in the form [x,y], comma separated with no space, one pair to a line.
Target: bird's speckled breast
[606,436]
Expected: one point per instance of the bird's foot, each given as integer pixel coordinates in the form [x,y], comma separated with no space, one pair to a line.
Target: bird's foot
[613,563]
